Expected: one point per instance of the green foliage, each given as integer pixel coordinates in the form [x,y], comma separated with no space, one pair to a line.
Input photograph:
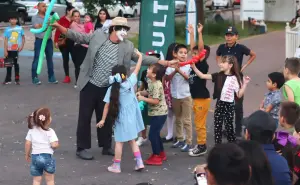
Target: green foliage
[91,5]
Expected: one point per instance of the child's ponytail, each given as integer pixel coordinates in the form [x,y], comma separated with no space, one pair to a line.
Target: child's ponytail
[39,118]
[119,73]
[114,101]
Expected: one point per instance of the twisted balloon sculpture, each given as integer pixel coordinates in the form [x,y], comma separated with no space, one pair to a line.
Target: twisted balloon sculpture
[195,59]
[47,16]
[48,32]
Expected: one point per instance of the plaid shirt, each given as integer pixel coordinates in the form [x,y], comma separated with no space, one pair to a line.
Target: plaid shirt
[273,98]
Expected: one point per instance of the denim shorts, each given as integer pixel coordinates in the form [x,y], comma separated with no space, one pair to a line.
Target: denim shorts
[41,163]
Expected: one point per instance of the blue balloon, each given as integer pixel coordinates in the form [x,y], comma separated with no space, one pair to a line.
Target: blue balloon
[46,19]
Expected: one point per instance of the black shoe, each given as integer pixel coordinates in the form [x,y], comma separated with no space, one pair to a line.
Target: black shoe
[85,155]
[108,152]
[165,140]
[198,151]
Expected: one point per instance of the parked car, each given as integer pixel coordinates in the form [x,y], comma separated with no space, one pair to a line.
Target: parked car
[222,3]
[11,7]
[122,9]
[180,6]
[236,2]
[78,4]
[59,7]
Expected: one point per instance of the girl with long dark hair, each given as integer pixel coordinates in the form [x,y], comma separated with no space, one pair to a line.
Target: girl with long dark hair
[123,110]
[63,44]
[167,90]
[261,173]
[103,20]
[228,83]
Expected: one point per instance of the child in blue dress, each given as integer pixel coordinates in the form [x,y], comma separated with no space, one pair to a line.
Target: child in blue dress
[122,107]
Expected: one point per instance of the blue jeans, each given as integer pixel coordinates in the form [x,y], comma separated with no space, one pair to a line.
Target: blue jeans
[49,56]
[41,163]
[156,124]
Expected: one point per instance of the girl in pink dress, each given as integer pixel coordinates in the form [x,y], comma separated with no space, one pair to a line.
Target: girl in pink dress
[88,23]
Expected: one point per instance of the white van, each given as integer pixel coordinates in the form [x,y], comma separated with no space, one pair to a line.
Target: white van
[221,3]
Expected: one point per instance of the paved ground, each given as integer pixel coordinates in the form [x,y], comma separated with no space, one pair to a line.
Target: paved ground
[16,102]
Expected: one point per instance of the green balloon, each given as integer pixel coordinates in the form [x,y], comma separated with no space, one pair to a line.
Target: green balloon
[48,32]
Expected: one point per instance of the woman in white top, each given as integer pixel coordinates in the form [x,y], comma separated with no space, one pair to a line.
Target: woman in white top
[103,20]
[40,143]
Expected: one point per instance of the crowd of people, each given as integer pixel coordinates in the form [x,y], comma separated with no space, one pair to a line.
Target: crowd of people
[267,154]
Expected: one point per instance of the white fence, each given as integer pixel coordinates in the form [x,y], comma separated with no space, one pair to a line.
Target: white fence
[292,39]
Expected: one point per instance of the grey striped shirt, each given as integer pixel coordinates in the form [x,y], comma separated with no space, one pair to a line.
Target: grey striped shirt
[106,58]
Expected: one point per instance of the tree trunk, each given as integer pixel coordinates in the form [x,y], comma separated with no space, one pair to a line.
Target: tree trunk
[200,11]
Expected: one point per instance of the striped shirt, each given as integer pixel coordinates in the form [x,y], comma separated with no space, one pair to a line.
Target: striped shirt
[106,58]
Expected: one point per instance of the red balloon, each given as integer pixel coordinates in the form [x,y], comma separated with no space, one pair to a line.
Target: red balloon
[195,59]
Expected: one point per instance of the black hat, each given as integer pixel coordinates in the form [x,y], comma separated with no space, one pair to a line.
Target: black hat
[258,122]
[231,30]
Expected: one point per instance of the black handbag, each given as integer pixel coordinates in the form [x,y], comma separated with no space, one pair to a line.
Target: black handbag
[8,62]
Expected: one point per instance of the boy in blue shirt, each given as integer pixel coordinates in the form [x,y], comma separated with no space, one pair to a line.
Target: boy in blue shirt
[14,40]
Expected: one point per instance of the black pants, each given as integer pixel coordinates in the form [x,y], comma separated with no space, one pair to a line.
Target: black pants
[78,55]
[91,99]
[239,115]
[65,52]
[224,113]
[14,56]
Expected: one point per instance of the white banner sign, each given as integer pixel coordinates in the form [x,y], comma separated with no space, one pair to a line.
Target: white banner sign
[253,8]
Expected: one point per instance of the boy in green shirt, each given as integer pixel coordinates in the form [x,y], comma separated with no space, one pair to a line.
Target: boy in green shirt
[291,88]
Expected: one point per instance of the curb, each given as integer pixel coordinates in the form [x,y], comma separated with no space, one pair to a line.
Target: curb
[28,53]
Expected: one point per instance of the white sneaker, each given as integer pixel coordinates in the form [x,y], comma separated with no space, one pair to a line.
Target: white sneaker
[140,141]
[191,149]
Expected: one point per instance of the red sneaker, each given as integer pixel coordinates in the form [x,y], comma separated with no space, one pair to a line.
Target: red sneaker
[163,156]
[155,160]
[67,80]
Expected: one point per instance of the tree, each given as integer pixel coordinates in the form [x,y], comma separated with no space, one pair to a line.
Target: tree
[91,5]
[200,11]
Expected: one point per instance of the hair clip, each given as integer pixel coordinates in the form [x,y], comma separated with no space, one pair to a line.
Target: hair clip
[42,117]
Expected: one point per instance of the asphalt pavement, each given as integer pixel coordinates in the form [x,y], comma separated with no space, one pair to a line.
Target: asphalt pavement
[16,102]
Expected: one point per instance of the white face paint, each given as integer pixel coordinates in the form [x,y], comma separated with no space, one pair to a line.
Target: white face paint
[121,34]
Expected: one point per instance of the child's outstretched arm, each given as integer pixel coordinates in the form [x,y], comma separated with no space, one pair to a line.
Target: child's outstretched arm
[104,115]
[242,90]
[139,62]
[200,39]
[289,93]
[54,145]
[190,29]
[200,74]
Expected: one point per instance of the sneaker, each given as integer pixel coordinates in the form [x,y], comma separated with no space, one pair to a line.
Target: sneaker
[141,141]
[52,80]
[36,81]
[200,150]
[75,86]
[163,156]
[165,140]
[67,80]
[114,168]
[6,83]
[17,82]
[139,165]
[155,160]
[178,144]
[186,148]
[193,148]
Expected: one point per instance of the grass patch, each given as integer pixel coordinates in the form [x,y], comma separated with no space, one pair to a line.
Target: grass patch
[214,33]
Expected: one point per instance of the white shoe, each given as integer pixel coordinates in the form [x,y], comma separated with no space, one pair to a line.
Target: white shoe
[75,86]
[140,141]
